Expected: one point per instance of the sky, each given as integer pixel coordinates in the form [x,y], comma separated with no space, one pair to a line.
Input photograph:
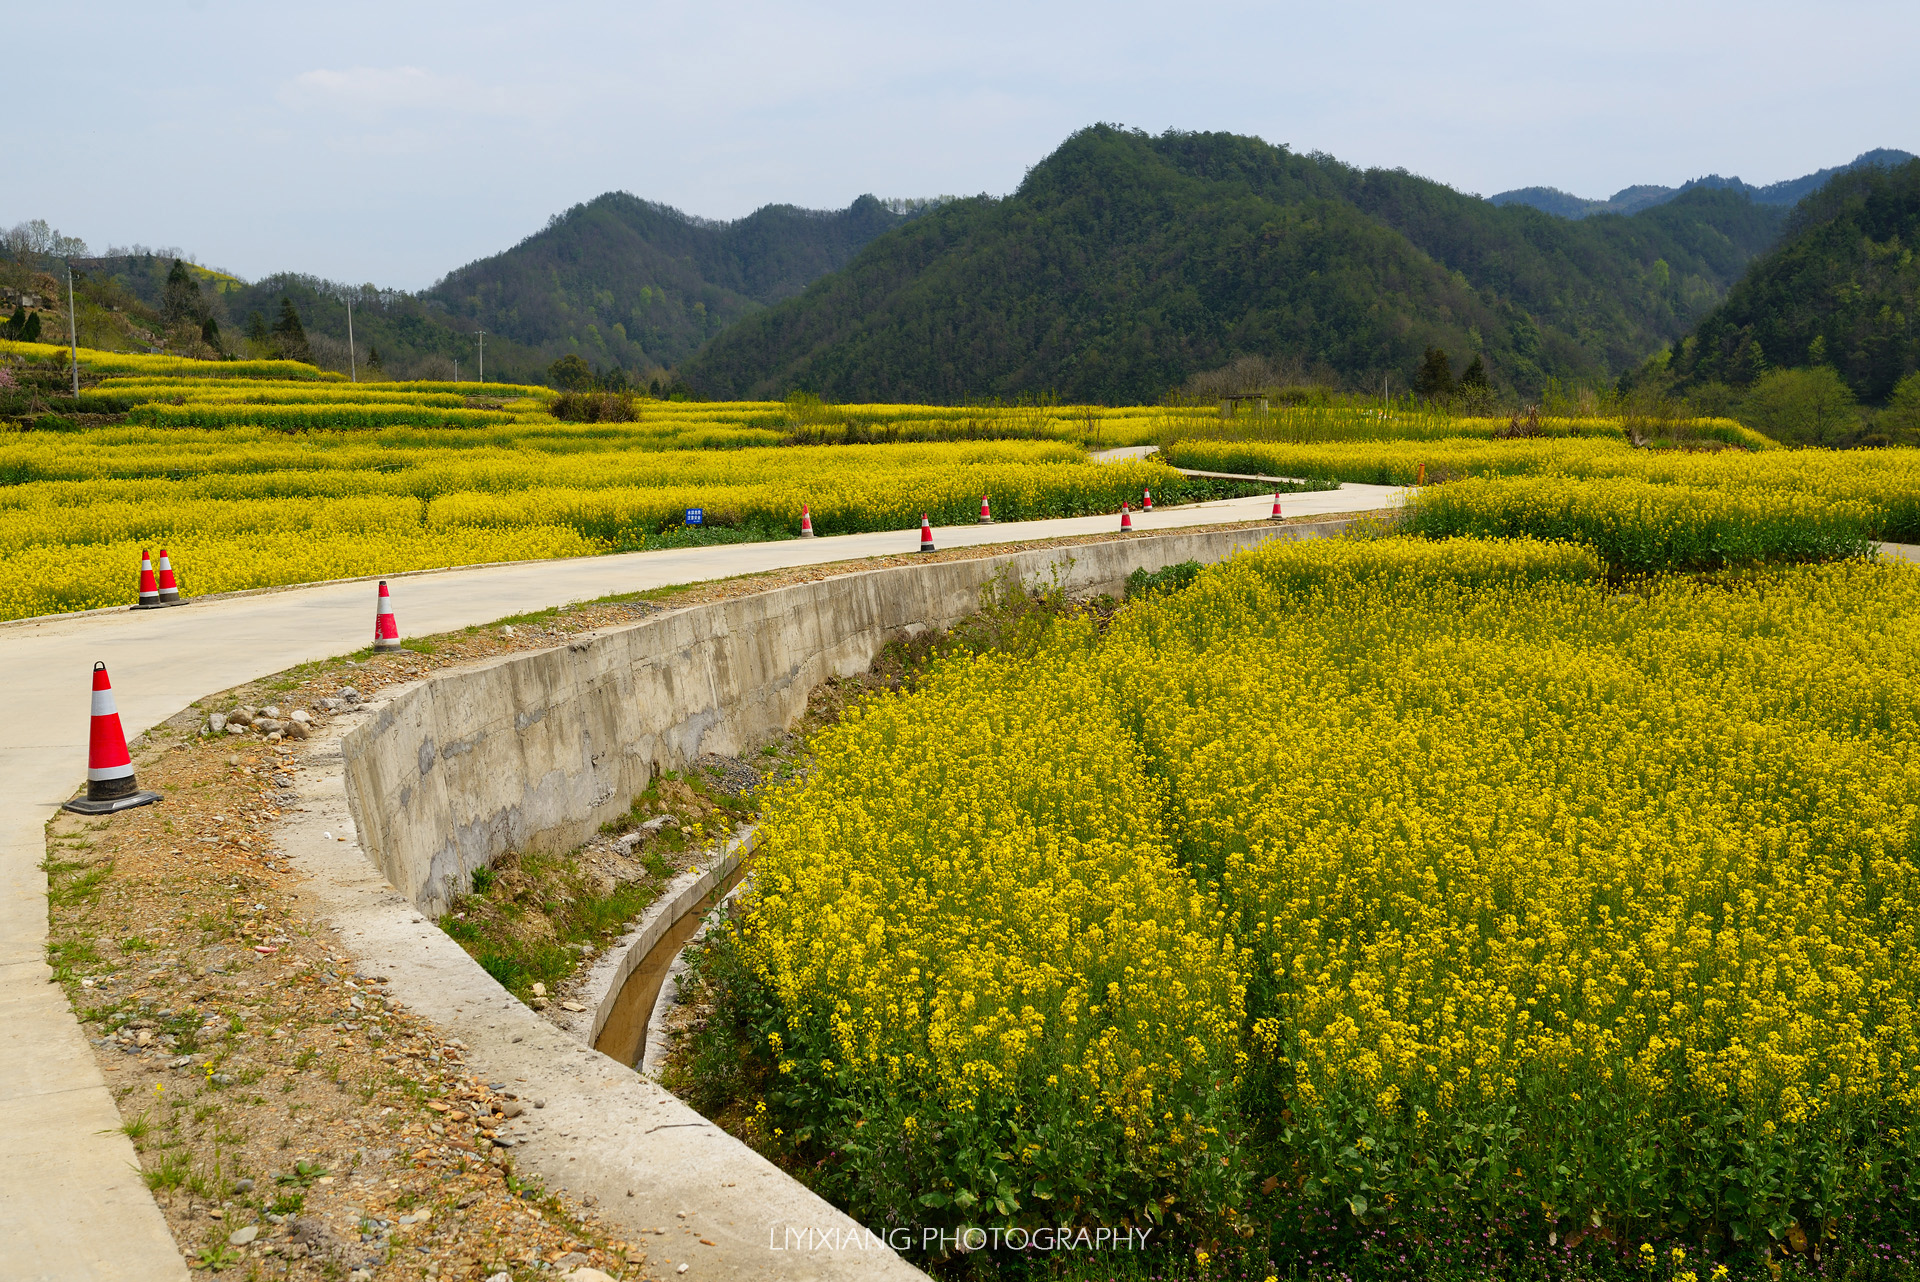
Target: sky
[391,143]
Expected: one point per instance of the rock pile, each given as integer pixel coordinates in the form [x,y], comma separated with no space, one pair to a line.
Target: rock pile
[275,723]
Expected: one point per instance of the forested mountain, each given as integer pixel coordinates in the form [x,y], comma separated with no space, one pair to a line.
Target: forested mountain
[1125,263]
[1842,288]
[623,281]
[1630,200]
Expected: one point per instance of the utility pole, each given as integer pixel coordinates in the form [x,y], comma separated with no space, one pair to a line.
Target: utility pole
[73,329]
[483,353]
[353,369]
[456,369]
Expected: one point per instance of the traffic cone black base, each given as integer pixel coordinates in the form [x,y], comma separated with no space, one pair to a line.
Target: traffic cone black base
[108,805]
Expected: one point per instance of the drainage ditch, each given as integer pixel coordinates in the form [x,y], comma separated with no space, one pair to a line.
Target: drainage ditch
[623,1034]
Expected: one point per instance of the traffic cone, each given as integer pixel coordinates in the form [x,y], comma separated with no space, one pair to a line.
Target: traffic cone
[386,630]
[1126,520]
[169,590]
[1276,507]
[110,784]
[806,522]
[926,534]
[1147,506]
[986,516]
[149,586]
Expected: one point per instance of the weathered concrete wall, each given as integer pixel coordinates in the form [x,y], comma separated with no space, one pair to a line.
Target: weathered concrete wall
[536,751]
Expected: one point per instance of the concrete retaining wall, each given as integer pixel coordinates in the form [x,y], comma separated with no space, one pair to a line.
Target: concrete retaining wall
[536,751]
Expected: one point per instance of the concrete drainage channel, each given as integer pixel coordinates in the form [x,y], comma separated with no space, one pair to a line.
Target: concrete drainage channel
[535,751]
[623,993]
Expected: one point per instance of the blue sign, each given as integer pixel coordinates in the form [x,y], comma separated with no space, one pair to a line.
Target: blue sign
[696,516]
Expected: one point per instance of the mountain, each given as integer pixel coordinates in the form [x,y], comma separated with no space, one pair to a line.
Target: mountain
[1631,200]
[620,281]
[1842,287]
[1124,264]
[624,281]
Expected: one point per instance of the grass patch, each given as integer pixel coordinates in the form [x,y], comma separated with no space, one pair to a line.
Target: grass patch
[67,956]
[169,1174]
[533,918]
[137,1128]
[536,910]
[84,888]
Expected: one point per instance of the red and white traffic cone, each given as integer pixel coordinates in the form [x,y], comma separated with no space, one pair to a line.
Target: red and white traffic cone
[386,630]
[806,522]
[169,590]
[1276,507]
[926,534]
[986,515]
[149,586]
[1147,504]
[1126,520]
[110,784]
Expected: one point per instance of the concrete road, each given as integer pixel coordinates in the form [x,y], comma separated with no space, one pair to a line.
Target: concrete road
[72,1205]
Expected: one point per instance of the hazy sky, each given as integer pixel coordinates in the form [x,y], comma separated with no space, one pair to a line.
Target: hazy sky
[393,142]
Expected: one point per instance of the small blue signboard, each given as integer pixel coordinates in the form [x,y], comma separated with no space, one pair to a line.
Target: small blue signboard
[696,516]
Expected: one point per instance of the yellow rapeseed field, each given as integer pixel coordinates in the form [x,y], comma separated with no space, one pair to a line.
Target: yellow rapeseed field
[1887,480]
[257,473]
[1525,902]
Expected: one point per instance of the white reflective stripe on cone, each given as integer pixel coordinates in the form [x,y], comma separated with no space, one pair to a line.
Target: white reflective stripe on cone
[99,774]
[103,703]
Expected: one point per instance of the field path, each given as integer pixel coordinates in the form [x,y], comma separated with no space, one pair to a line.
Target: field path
[72,1205]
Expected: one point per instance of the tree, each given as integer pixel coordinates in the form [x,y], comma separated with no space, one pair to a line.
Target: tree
[1899,423]
[1802,407]
[1475,377]
[256,327]
[373,359]
[615,380]
[1435,379]
[37,238]
[570,374]
[289,336]
[30,332]
[180,299]
[17,322]
[210,333]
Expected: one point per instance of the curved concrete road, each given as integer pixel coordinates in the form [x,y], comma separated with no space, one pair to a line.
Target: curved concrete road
[72,1205]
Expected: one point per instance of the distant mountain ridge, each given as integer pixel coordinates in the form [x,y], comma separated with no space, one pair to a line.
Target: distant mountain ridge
[1126,263]
[622,281]
[1839,289]
[1631,200]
